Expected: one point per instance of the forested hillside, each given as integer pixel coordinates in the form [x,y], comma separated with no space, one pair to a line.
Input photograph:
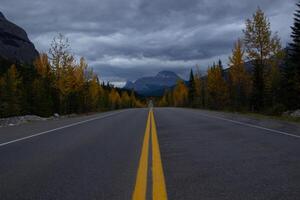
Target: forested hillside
[58,83]
[272,86]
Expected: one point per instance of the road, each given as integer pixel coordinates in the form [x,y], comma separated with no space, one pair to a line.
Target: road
[164,153]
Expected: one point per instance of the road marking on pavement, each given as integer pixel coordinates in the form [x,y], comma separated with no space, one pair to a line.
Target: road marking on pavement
[159,186]
[141,179]
[253,126]
[59,128]
[159,191]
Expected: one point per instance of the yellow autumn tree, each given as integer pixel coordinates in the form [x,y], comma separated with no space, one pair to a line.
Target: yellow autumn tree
[114,99]
[217,90]
[125,100]
[261,47]
[139,104]
[42,66]
[104,98]
[199,90]
[180,94]
[63,63]
[79,78]
[163,101]
[93,94]
[3,104]
[239,78]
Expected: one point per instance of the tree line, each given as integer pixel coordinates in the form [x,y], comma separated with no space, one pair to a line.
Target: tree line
[261,75]
[58,83]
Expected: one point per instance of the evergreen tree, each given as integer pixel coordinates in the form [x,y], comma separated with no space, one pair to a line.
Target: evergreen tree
[220,65]
[273,86]
[93,94]
[11,93]
[295,45]
[192,89]
[132,99]
[290,96]
[272,89]
[198,90]
[42,103]
[292,69]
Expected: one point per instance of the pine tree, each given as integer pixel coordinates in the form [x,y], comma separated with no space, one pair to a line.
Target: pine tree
[295,45]
[199,97]
[41,87]
[290,96]
[11,94]
[272,88]
[220,65]
[292,68]
[132,99]
[261,45]
[192,90]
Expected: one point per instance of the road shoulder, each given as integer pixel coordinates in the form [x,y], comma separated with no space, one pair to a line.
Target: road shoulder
[264,122]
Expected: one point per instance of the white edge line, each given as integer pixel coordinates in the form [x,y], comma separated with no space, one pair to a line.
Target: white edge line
[59,128]
[253,126]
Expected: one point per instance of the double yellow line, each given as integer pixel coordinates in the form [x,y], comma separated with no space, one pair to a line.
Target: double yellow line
[159,191]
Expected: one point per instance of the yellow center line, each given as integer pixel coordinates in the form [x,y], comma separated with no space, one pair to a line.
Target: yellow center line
[159,185]
[159,191]
[140,188]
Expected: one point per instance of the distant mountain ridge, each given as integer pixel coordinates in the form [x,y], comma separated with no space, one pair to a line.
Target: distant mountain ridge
[15,45]
[153,85]
[156,85]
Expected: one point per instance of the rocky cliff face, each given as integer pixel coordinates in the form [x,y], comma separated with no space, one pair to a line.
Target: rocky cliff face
[14,43]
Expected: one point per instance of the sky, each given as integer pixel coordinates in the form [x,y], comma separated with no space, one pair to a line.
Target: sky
[127,39]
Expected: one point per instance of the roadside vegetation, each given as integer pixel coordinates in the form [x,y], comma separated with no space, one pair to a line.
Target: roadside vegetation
[58,83]
[262,77]
[271,85]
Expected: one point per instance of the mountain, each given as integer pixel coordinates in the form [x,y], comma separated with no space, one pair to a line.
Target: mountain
[153,86]
[14,43]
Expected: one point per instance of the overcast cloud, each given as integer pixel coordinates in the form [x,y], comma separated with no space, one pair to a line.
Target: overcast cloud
[126,39]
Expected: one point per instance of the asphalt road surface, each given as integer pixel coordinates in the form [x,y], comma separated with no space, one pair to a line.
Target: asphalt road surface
[164,153]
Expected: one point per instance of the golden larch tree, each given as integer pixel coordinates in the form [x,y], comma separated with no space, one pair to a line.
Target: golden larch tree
[180,94]
[216,88]
[239,78]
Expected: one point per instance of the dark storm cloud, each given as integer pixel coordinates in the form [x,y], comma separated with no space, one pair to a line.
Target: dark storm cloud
[125,39]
